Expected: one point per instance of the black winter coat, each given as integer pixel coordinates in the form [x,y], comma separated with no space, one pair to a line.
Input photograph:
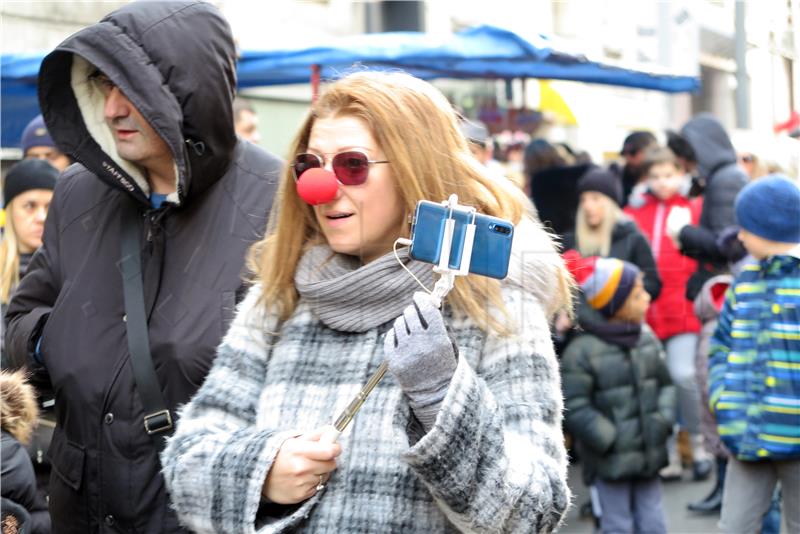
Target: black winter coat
[629,244]
[716,164]
[18,484]
[175,61]
[554,192]
[619,405]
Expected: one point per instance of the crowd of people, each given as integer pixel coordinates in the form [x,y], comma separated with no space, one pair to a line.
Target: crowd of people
[682,224]
[181,326]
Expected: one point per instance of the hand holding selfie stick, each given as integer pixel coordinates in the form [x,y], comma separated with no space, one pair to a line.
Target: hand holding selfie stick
[440,290]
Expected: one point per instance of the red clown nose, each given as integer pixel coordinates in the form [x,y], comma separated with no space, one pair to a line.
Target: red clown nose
[317,186]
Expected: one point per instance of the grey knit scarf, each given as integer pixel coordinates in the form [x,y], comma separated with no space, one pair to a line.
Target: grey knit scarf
[351,297]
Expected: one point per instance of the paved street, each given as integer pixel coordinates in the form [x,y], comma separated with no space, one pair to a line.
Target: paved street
[676,495]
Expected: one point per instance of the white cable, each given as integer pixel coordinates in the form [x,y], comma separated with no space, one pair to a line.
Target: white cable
[407,242]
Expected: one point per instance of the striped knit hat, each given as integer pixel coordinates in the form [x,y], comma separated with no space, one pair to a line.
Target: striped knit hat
[606,282]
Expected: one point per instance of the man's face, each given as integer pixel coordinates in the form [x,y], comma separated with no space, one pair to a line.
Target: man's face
[50,154]
[135,139]
[247,126]
[633,158]
[747,162]
[688,166]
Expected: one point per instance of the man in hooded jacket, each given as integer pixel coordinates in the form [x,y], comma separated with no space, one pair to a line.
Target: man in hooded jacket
[143,101]
[723,179]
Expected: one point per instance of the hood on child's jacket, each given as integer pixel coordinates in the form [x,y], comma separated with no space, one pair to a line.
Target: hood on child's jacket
[18,409]
[709,301]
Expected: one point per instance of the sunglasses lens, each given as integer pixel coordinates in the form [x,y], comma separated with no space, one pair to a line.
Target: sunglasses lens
[351,168]
[303,162]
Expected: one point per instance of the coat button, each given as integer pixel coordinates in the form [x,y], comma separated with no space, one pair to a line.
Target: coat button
[110,520]
[109,418]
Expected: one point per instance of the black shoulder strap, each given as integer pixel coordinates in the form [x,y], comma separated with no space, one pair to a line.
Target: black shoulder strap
[157,419]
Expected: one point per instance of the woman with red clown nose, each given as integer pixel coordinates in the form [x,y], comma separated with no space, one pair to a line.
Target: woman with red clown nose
[464,432]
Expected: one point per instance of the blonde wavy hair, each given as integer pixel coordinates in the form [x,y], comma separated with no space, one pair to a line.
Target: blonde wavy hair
[597,241]
[418,131]
[9,256]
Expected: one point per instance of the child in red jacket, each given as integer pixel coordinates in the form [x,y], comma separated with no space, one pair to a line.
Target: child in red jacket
[671,315]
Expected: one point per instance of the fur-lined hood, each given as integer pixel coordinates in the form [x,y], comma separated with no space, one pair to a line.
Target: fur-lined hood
[18,409]
[183,87]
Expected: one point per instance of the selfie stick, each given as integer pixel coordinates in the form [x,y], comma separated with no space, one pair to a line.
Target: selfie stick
[442,287]
[447,276]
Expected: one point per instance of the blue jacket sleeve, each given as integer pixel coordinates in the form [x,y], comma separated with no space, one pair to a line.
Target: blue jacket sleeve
[719,347]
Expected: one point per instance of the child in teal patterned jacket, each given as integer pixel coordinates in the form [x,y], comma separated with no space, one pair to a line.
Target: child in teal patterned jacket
[754,360]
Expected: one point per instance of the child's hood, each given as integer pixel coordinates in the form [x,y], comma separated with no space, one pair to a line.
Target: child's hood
[709,301]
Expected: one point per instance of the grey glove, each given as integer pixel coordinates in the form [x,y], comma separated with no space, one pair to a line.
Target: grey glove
[422,357]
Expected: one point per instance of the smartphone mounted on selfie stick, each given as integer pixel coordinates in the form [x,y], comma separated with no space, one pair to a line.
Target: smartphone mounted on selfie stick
[444,234]
[448,271]
[478,243]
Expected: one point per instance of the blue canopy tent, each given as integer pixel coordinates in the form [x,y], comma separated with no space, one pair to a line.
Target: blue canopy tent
[480,52]
[18,95]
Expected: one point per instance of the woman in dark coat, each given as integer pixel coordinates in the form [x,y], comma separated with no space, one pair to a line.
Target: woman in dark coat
[601,229]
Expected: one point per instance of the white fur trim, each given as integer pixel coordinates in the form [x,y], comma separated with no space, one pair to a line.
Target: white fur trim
[91,104]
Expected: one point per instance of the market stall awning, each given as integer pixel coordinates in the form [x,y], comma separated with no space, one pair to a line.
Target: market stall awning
[480,52]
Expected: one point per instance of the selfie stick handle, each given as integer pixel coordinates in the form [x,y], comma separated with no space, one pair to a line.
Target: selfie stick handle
[447,275]
[330,435]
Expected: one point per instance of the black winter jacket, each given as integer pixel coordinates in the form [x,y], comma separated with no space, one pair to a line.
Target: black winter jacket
[554,192]
[716,164]
[619,405]
[175,61]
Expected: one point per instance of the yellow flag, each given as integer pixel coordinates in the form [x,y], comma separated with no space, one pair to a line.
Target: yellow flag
[550,100]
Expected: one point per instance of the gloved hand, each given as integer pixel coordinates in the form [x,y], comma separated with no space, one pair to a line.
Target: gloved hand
[422,357]
[729,245]
[678,218]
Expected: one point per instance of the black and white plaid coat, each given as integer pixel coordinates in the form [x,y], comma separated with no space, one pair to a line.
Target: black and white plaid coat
[493,462]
